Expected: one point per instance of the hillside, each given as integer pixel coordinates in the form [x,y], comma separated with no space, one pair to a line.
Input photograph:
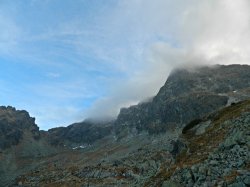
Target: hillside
[186,95]
[194,132]
[213,152]
[216,151]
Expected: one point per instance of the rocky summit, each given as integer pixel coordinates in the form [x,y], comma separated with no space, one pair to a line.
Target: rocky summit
[194,132]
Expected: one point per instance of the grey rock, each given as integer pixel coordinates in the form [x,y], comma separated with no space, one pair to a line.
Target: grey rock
[240,162]
[179,101]
[187,175]
[178,146]
[201,128]
[213,162]
[233,140]
[237,147]
[202,170]
[194,168]
[243,172]
[78,134]
[246,180]
[170,183]
[237,184]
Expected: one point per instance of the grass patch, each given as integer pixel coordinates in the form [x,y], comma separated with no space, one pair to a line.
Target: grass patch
[199,146]
[231,112]
[231,177]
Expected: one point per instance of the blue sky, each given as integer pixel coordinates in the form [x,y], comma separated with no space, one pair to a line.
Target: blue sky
[65,60]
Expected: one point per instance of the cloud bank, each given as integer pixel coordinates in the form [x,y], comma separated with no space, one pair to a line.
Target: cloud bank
[64,61]
[164,34]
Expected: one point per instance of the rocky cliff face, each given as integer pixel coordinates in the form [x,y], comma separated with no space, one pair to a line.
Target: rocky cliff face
[217,152]
[186,95]
[211,152]
[21,144]
[194,132]
[13,124]
[79,134]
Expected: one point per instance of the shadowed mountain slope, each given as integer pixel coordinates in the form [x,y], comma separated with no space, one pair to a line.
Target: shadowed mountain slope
[167,141]
[186,95]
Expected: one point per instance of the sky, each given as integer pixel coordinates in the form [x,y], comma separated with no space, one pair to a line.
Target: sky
[64,61]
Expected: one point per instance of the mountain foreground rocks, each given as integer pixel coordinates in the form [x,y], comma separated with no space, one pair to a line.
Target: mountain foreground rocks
[194,132]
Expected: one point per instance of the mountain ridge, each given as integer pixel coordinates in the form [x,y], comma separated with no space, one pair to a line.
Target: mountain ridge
[152,131]
[202,85]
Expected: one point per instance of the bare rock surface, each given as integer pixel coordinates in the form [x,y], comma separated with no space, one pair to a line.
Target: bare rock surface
[194,132]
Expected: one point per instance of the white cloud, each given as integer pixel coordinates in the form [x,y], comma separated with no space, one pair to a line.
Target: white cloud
[53,75]
[9,34]
[142,40]
[173,33]
[218,30]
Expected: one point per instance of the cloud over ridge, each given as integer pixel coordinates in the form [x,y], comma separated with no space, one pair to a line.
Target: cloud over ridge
[90,58]
[175,33]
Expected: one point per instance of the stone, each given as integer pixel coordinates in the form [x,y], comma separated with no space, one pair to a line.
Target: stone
[209,172]
[202,128]
[234,139]
[20,183]
[213,162]
[243,172]
[246,180]
[237,184]
[237,147]
[170,183]
[202,170]
[226,171]
[240,162]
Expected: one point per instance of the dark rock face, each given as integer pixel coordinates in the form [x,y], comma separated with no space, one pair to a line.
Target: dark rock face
[215,156]
[78,133]
[217,79]
[228,164]
[209,151]
[186,95]
[13,123]
[21,144]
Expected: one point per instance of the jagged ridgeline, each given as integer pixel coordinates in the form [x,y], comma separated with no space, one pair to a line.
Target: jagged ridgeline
[194,132]
[186,95]
[13,124]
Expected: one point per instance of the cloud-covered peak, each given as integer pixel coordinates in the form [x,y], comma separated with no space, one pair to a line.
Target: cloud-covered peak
[89,58]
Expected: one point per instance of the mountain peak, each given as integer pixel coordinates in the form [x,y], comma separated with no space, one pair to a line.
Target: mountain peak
[163,141]
[13,124]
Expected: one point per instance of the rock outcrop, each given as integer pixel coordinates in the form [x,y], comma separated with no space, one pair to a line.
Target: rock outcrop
[217,156]
[13,124]
[194,132]
[186,95]
[83,133]
[213,152]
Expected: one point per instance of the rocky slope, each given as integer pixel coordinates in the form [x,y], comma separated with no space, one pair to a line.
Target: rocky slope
[13,123]
[213,152]
[187,135]
[216,152]
[21,144]
[186,95]
[79,134]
